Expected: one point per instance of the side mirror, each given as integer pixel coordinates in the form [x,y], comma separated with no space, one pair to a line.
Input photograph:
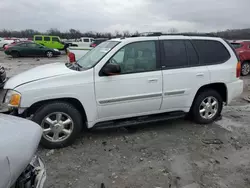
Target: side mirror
[111,69]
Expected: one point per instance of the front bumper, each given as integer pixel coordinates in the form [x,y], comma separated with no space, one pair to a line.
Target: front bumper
[57,53]
[33,176]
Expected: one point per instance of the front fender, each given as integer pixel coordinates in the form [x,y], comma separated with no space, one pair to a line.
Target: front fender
[57,88]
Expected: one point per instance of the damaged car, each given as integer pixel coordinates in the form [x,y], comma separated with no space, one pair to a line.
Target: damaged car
[19,166]
[2,76]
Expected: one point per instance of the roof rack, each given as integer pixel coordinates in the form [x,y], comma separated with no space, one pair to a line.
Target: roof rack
[150,34]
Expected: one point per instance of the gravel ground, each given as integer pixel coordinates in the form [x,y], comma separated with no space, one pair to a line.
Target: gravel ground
[171,154]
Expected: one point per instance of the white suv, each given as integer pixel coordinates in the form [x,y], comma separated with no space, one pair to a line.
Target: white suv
[128,81]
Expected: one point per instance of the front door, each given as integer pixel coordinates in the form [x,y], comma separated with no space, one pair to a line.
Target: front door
[35,49]
[137,90]
[182,74]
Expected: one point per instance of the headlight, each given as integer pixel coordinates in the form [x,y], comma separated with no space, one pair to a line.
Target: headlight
[56,50]
[12,98]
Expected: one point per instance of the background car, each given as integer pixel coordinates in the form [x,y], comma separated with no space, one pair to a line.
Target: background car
[2,77]
[31,49]
[96,42]
[8,41]
[243,50]
[49,41]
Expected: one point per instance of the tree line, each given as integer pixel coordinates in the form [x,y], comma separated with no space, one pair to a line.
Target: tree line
[73,33]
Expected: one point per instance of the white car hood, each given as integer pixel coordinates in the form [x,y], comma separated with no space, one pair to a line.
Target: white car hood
[37,73]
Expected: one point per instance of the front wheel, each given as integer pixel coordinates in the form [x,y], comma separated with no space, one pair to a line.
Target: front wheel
[207,107]
[61,123]
[245,68]
[49,54]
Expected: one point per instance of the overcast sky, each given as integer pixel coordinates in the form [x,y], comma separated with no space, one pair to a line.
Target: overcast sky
[132,15]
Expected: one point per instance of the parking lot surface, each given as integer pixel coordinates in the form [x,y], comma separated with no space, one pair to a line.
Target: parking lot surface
[174,154]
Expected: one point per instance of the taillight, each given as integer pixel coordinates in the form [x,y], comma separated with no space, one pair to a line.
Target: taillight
[238,69]
[93,45]
[72,57]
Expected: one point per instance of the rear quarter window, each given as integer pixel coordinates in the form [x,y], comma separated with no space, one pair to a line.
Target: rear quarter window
[211,52]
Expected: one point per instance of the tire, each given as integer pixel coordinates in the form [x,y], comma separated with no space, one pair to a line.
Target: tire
[49,54]
[198,107]
[15,54]
[55,129]
[245,68]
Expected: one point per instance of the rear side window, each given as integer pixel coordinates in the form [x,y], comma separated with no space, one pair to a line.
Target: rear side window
[38,38]
[211,52]
[192,55]
[174,54]
[85,40]
[55,39]
[46,38]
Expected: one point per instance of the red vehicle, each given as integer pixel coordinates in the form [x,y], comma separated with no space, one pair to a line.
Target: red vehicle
[243,50]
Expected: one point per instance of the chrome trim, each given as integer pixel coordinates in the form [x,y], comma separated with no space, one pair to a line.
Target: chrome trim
[169,93]
[123,99]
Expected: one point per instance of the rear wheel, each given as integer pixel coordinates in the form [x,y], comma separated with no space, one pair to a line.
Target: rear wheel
[15,54]
[207,107]
[245,68]
[49,54]
[61,123]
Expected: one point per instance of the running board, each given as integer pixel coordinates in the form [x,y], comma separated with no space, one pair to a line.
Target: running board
[139,120]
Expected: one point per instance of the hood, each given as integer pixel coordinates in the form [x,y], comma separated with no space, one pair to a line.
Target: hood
[19,139]
[38,73]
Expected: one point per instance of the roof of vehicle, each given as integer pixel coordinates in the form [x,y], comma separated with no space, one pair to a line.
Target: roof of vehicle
[141,38]
[45,36]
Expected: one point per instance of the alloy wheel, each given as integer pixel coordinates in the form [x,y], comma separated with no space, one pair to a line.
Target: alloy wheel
[208,107]
[57,126]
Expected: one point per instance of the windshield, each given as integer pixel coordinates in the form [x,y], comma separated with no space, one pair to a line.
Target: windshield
[236,45]
[96,54]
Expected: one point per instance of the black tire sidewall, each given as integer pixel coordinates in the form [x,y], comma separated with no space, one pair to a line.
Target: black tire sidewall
[242,66]
[59,107]
[195,108]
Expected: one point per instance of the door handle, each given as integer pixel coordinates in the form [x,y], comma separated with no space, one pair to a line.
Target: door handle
[200,74]
[152,79]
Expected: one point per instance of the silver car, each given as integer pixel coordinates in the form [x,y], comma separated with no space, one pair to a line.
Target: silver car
[19,167]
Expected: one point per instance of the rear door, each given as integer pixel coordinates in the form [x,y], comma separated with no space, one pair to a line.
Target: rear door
[182,74]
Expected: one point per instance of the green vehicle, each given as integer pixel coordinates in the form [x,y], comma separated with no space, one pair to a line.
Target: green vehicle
[49,41]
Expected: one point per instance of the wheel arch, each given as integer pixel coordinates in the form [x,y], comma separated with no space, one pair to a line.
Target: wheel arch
[75,102]
[221,88]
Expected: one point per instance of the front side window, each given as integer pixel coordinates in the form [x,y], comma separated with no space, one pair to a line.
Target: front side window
[91,58]
[32,45]
[174,54]
[236,45]
[136,57]
[211,52]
